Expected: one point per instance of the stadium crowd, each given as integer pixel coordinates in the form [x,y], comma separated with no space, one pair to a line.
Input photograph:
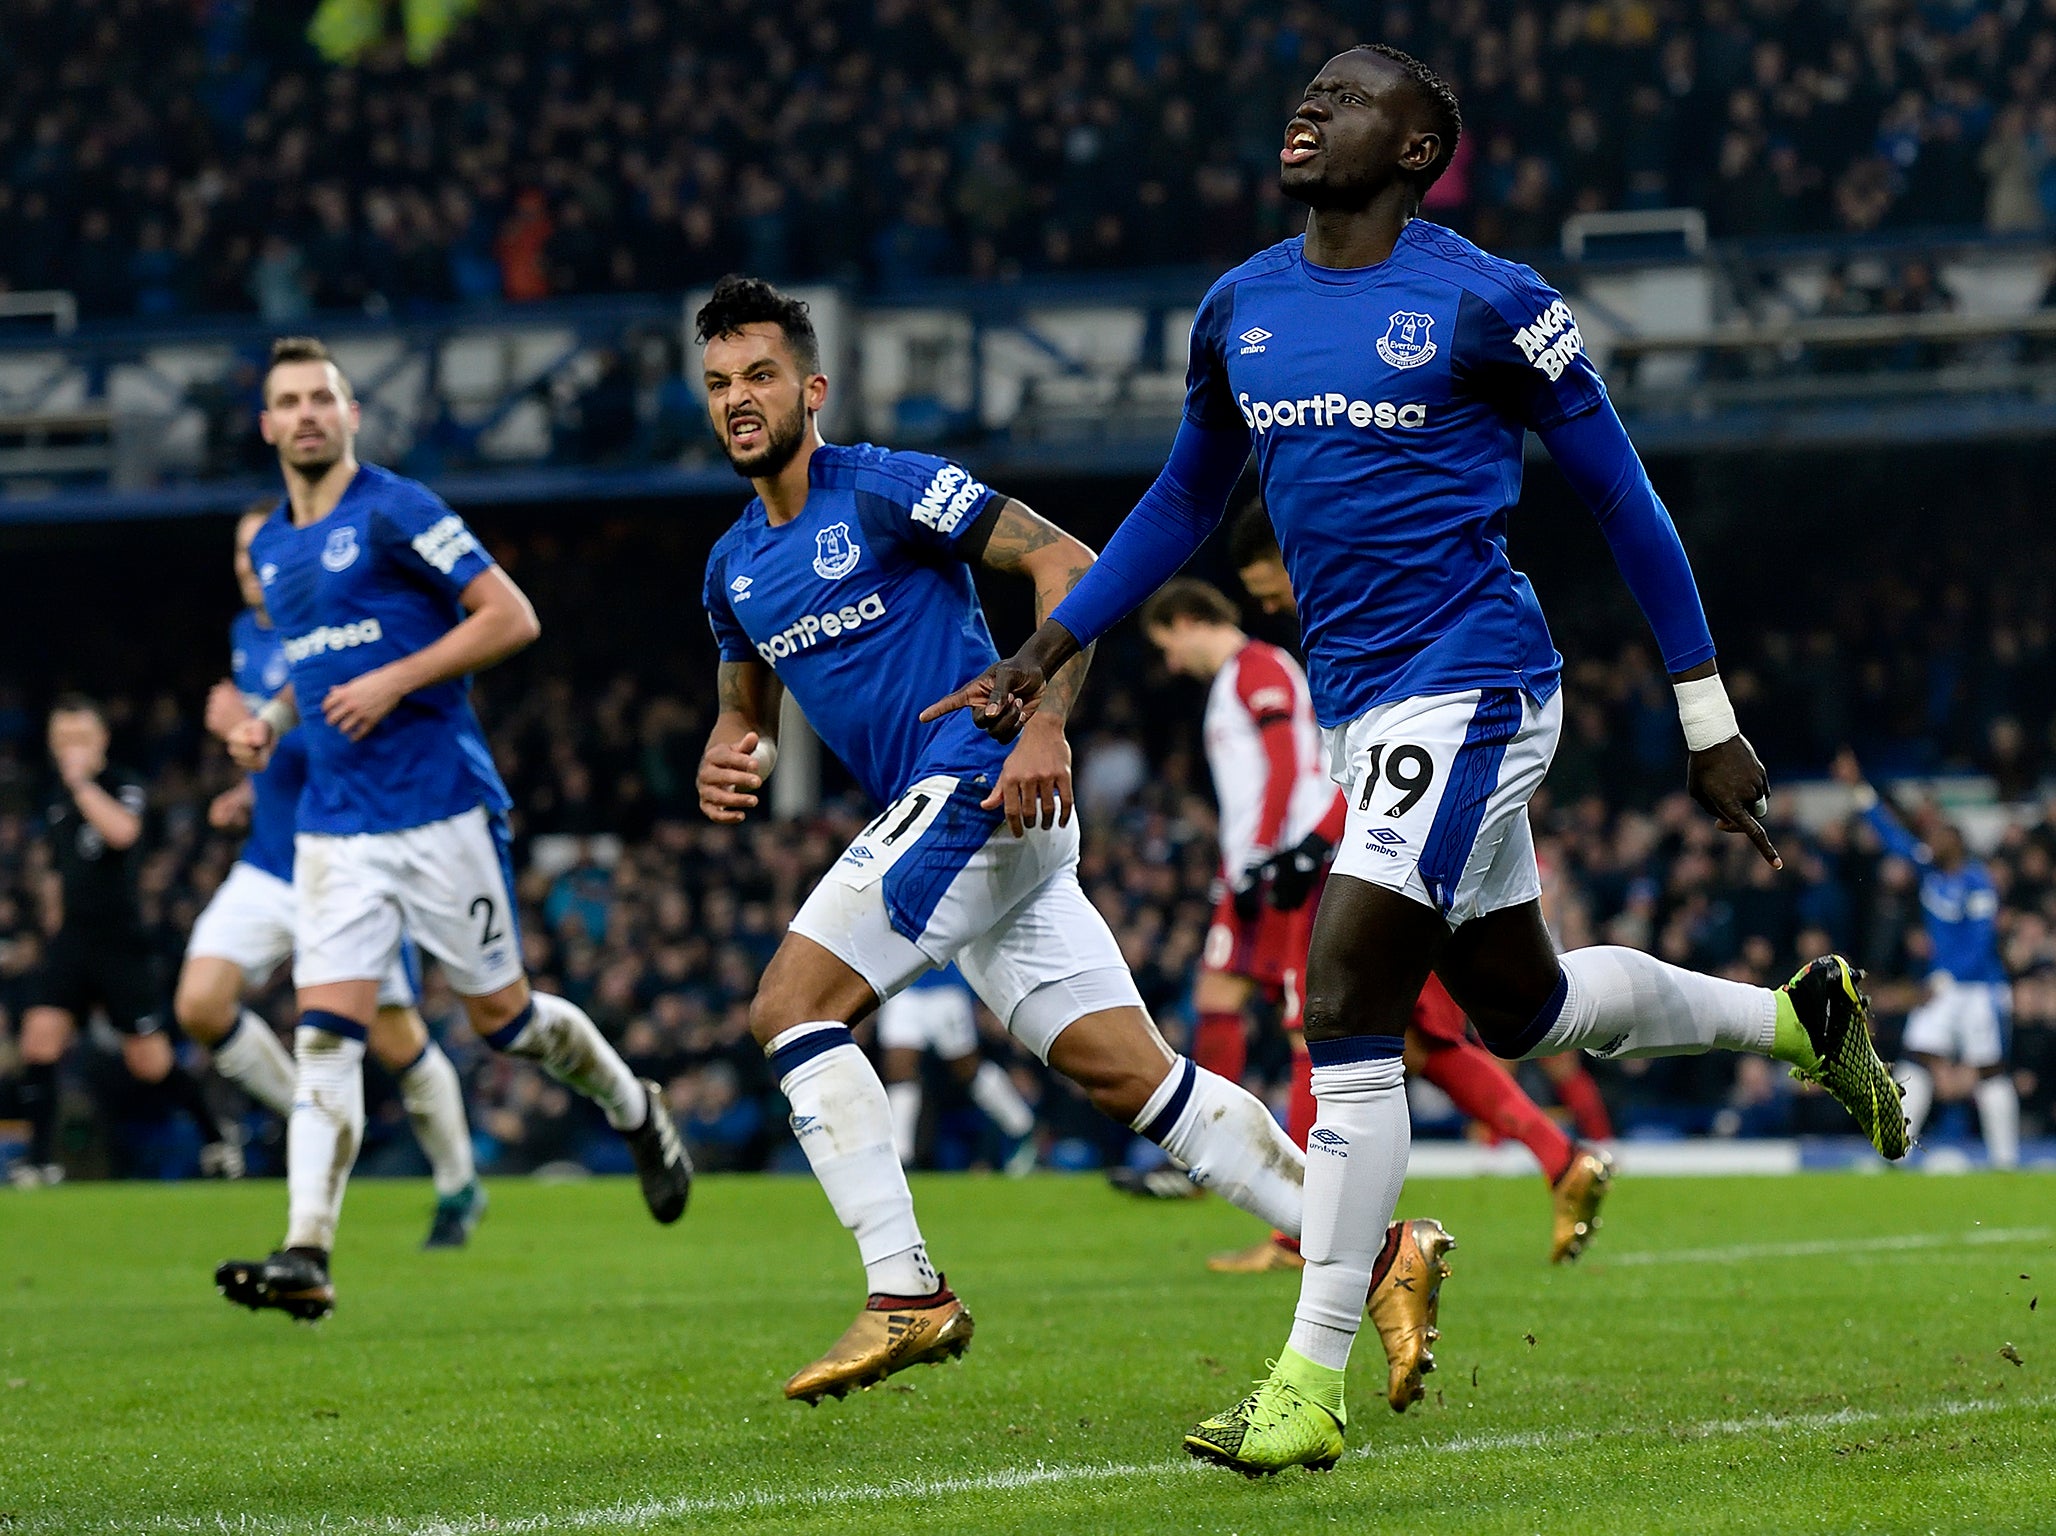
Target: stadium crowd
[658,922]
[201,157]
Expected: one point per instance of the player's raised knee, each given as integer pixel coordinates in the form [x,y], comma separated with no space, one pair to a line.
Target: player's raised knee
[205,1009]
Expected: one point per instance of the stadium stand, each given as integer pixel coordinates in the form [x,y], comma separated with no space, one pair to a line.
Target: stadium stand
[201,158]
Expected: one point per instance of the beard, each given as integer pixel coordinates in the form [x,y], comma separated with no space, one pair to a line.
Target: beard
[1321,191]
[782,439]
[312,463]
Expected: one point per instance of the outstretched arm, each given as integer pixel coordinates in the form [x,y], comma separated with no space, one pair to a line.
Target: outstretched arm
[1594,453]
[742,749]
[498,622]
[1171,521]
[1872,807]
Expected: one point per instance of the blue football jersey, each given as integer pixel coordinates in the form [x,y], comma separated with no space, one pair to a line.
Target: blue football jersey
[1959,908]
[258,667]
[865,609]
[1388,407]
[375,580]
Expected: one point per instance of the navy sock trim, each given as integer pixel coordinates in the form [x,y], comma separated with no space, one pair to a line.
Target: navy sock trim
[503,1038]
[419,1057]
[1538,1026]
[1351,1049]
[818,1042]
[332,1024]
[1167,1117]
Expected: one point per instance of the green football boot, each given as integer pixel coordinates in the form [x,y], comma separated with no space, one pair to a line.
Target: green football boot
[1837,1052]
[1275,1427]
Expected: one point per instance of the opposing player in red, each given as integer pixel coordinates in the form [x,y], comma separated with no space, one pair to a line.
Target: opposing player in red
[1280,816]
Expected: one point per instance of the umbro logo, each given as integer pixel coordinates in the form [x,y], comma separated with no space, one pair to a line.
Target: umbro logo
[1253,339]
[801,1124]
[740,587]
[1329,1141]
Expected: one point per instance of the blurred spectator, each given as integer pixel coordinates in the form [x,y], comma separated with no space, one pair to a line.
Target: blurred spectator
[623,144]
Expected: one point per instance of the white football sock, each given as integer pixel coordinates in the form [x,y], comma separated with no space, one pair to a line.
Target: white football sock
[1229,1143]
[844,1124]
[1998,1116]
[323,1134]
[1620,1002]
[1356,1162]
[1919,1098]
[905,1099]
[435,1106]
[569,1046]
[994,1092]
[256,1061]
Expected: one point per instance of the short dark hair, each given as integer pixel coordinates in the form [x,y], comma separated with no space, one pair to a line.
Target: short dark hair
[1445,117]
[1252,540]
[78,704]
[738,301]
[303,349]
[1183,597]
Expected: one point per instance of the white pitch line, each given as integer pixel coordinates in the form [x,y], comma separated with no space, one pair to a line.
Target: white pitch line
[644,1513]
[1902,1243]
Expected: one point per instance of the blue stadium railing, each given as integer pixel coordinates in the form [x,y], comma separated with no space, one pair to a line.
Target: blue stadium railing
[583,399]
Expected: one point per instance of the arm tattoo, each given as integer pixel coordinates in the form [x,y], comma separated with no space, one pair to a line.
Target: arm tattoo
[752,690]
[732,681]
[1018,534]
[1061,692]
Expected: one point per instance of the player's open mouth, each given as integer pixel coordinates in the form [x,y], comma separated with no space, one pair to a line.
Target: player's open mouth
[745,431]
[1301,145]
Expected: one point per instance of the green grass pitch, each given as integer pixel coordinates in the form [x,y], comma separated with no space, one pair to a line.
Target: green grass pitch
[1816,1353]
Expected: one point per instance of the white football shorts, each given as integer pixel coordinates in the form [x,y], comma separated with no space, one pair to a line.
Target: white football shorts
[1962,1021]
[936,878]
[1438,797]
[448,884]
[938,1019]
[249,923]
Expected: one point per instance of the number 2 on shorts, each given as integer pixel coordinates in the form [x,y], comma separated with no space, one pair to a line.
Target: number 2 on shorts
[486,933]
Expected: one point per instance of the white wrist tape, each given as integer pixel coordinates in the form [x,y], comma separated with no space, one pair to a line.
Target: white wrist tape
[279,715]
[1705,713]
[766,755]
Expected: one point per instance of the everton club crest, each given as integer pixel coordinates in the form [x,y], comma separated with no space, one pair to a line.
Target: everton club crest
[835,552]
[1405,343]
[340,553]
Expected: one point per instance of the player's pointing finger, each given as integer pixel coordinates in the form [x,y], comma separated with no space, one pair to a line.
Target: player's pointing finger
[1752,829]
[941,707]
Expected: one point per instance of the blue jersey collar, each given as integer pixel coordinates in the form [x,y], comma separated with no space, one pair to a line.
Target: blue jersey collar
[1340,282]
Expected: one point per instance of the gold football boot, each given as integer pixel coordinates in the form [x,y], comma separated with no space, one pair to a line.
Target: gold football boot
[1406,1292]
[1577,1197]
[1274,1252]
[890,1334]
